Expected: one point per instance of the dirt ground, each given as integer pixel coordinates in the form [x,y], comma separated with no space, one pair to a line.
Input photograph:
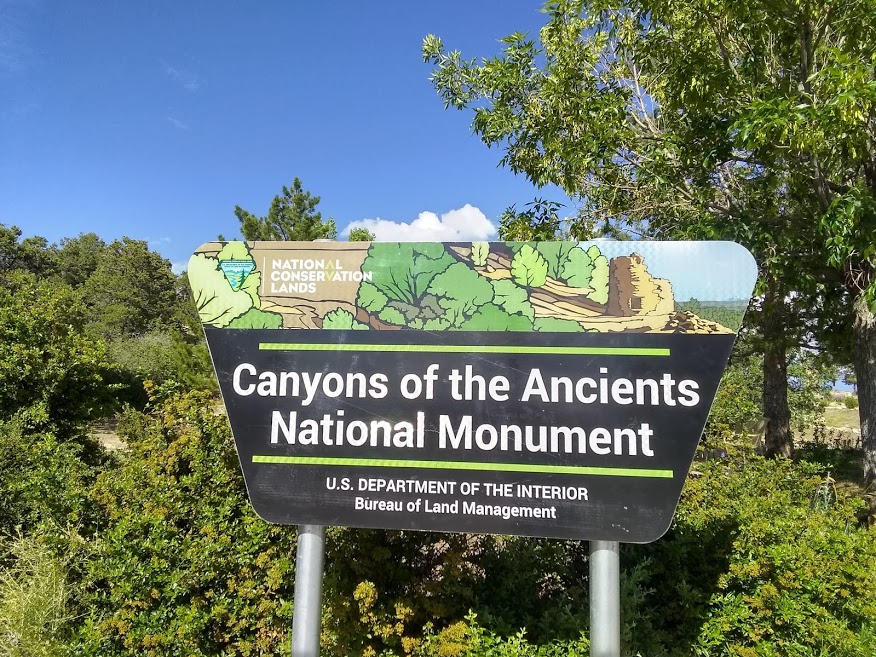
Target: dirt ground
[105,432]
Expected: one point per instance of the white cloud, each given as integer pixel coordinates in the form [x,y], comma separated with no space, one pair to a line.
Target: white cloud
[179,267]
[189,81]
[466,224]
[176,123]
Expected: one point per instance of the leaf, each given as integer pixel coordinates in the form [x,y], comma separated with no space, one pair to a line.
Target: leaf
[370,297]
[251,286]
[555,254]
[343,320]
[577,269]
[529,268]
[256,318]
[391,316]
[480,251]
[460,291]
[438,324]
[512,298]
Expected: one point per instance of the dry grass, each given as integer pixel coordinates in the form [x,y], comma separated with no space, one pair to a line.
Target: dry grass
[33,601]
[840,417]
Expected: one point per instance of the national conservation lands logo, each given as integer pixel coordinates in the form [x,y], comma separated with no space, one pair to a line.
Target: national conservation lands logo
[305,275]
[546,389]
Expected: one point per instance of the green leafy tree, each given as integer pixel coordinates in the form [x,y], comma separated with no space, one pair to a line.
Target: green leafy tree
[52,375]
[131,291]
[538,222]
[460,291]
[78,257]
[166,358]
[361,235]
[30,254]
[599,275]
[291,217]
[702,120]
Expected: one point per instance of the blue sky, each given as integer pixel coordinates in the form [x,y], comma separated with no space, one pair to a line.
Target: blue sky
[153,119]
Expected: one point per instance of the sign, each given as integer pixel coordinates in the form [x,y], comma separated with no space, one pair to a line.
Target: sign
[546,389]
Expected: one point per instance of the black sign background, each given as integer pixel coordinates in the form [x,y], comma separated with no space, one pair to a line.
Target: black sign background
[619,508]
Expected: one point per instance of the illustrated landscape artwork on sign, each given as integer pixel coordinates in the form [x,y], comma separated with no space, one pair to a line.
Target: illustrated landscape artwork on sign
[543,389]
[481,286]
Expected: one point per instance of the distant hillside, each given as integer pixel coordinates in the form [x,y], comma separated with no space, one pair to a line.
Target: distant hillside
[726,313]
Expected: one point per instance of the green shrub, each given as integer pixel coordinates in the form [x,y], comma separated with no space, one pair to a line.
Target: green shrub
[739,401]
[44,481]
[184,567]
[164,356]
[383,587]
[54,376]
[470,639]
[850,401]
[760,561]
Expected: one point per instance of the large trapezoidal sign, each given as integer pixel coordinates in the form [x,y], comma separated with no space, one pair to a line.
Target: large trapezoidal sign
[544,389]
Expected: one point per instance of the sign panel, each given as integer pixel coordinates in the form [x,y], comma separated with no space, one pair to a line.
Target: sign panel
[546,389]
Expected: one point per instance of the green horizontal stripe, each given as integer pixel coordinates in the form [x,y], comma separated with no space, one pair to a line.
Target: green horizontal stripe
[464,465]
[465,349]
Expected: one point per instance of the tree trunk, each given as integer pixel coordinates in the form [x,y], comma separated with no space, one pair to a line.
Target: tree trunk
[777,437]
[864,330]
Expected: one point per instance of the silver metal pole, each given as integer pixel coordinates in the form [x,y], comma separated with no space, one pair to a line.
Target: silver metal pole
[307,614]
[604,599]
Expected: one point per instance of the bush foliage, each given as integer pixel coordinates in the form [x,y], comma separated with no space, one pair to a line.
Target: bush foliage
[765,558]
[184,567]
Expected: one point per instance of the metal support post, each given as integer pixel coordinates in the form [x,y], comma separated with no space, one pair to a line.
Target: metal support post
[604,599]
[308,591]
